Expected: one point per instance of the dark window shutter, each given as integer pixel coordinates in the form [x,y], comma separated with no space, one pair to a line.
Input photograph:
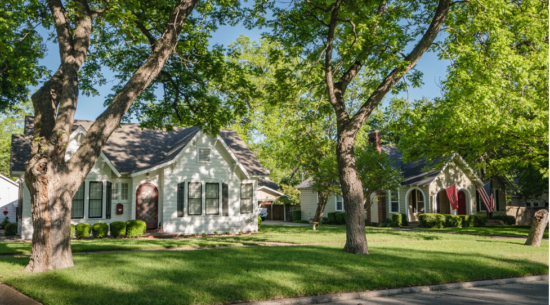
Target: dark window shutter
[497,201]
[181,193]
[225,199]
[109,200]
[478,201]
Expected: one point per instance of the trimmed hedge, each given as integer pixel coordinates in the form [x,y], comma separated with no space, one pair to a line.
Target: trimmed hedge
[296,215]
[259,223]
[72,230]
[508,220]
[431,220]
[83,230]
[340,218]
[397,220]
[100,229]
[480,220]
[404,219]
[135,228]
[453,221]
[332,218]
[5,223]
[118,228]
[10,229]
[467,221]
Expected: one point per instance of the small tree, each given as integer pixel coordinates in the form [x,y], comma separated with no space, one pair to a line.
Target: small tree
[376,173]
[326,183]
[290,191]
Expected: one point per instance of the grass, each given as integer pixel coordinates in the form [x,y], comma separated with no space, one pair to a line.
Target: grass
[268,233]
[246,274]
[522,231]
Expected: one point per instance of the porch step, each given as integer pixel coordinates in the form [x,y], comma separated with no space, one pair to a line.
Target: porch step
[155,231]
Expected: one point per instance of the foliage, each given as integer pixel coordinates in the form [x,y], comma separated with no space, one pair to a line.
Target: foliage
[507,219]
[259,223]
[467,221]
[386,223]
[117,228]
[72,230]
[10,229]
[397,220]
[21,49]
[5,222]
[404,219]
[480,220]
[290,191]
[83,230]
[453,221]
[431,220]
[331,217]
[336,218]
[296,215]
[494,111]
[532,183]
[100,229]
[11,122]
[135,228]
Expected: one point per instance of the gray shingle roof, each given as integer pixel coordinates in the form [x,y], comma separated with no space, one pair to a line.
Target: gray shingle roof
[268,183]
[306,184]
[418,172]
[132,149]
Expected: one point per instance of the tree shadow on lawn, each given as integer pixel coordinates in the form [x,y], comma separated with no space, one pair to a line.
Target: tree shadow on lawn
[247,274]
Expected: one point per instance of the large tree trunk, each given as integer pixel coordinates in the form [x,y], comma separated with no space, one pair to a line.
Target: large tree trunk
[540,220]
[352,191]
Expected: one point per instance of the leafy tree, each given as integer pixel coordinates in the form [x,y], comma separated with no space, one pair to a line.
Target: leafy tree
[494,112]
[141,42]
[290,191]
[12,122]
[351,43]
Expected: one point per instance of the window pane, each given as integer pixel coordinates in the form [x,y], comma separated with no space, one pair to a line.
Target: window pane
[124,191]
[77,209]
[246,190]
[339,206]
[204,154]
[114,191]
[246,205]
[419,196]
[212,190]
[96,199]
[394,206]
[246,198]
[194,198]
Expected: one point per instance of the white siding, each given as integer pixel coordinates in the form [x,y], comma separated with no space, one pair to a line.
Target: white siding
[8,198]
[221,169]
[308,204]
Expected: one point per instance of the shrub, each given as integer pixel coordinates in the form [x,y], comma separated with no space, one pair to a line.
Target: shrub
[386,223]
[300,221]
[508,220]
[431,220]
[203,234]
[259,222]
[467,221]
[296,215]
[324,220]
[100,229]
[340,218]
[397,220]
[240,233]
[118,228]
[83,230]
[332,218]
[216,232]
[480,220]
[135,228]
[404,219]
[453,221]
[193,235]
[5,222]
[10,229]
[72,230]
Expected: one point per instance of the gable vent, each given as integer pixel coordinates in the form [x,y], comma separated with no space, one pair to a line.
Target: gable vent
[204,155]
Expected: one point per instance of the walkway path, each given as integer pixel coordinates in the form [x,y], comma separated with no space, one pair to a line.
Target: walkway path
[284,223]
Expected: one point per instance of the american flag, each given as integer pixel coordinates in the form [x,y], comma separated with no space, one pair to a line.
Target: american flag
[487,197]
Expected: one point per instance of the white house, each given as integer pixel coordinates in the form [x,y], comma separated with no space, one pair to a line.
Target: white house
[8,197]
[184,181]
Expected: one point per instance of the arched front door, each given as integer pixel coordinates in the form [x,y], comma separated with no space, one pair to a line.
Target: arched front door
[461,203]
[147,206]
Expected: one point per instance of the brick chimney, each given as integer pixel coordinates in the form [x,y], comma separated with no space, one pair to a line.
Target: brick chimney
[376,140]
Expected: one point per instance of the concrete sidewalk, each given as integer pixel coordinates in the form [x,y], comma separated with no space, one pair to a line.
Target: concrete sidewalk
[11,296]
[285,223]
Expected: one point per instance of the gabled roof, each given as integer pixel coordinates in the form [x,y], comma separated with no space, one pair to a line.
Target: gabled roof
[306,184]
[131,149]
[270,185]
[418,172]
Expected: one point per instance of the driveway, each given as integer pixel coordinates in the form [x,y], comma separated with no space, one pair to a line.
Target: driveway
[284,223]
[520,293]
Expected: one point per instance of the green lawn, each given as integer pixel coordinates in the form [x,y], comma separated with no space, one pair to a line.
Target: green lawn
[522,231]
[268,233]
[246,274]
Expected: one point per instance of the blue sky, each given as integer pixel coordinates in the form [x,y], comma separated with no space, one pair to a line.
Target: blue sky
[89,108]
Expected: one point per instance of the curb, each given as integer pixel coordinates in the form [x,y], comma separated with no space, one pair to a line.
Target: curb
[391,292]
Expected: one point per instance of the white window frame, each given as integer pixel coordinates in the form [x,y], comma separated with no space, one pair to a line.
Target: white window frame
[336,203]
[209,155]
[115,186]
[398,202]
[128,196]
[240,197]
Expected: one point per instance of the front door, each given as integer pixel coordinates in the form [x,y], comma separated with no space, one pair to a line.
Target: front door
[416,204]
[147,205]
[461,203]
